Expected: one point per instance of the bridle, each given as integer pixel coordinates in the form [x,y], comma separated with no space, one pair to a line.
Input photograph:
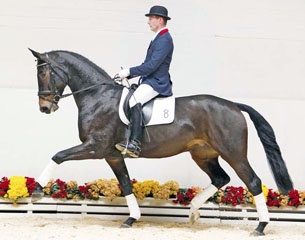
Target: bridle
[56,94]
[42,94]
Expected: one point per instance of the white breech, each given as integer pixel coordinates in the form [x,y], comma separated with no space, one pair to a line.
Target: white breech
[142,94]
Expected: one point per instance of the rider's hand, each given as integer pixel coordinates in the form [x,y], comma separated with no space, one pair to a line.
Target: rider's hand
[124,73]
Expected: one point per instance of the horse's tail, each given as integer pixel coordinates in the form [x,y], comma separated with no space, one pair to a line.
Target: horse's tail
[272,149]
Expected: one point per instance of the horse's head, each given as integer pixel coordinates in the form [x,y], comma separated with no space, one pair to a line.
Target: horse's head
[52,79]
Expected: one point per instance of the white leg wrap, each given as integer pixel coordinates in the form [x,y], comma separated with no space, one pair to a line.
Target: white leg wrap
[47,173]
[201,198]
[133,206]
[261,208]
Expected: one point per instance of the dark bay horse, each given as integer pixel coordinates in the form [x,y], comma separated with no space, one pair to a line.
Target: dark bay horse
[206,126]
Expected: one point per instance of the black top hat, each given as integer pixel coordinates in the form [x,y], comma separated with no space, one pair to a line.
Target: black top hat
[158,11]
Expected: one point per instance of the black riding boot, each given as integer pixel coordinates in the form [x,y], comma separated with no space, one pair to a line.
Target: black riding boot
[133,147]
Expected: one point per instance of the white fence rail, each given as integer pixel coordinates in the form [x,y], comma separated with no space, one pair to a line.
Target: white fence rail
[152,210]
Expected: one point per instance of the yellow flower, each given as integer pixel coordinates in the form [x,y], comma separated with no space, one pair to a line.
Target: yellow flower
[265,190]
[72,184]
[220,193]
[17,188]
[196,189]
[302,197]
[284,201]
[248,197]
[47,188]
[108,188]
[145,188]
[165,190]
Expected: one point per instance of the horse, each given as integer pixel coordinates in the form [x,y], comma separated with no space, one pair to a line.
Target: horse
[206,126]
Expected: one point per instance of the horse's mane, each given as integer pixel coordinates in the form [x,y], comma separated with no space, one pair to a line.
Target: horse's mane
[77,58]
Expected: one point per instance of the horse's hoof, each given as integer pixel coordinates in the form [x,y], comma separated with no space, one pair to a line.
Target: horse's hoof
[194,216]
[259,231]
[37,193]
[128,223]
[124,225]
[256,233]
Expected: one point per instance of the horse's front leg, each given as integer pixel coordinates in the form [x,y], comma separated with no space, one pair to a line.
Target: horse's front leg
[86,150]
[119,168]
[82,151]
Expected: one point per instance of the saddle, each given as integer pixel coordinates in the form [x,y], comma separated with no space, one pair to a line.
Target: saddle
[160,110]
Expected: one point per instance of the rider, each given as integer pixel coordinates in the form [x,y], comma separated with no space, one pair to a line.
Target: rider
[154,77]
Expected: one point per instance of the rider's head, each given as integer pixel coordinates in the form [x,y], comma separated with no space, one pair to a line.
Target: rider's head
[157,18]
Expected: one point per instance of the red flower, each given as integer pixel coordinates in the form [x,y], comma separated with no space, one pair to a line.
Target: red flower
[273,199]
[184,196]
[59,189]
[294,199]
[233,195]
[30,184]
[84,192]
[133,181]
[60,182]
[4,183]
[62,193]
[82,189]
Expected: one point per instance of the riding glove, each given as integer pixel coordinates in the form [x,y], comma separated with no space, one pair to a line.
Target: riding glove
[124,73]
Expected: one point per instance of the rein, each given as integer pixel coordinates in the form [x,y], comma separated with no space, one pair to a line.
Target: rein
[55,92]
[84,89]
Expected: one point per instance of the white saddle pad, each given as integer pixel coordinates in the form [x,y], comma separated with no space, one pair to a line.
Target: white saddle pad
[163,110]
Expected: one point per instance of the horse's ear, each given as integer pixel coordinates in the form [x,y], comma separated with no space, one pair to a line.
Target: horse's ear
[36,54]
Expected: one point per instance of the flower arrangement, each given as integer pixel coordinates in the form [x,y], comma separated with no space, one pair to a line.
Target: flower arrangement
[110,189]
[185,196]
[238,195]
[151,188]
[91,190]
[16,187]
[19,187]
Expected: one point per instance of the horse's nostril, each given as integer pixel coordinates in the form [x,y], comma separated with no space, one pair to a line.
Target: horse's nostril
[44,109]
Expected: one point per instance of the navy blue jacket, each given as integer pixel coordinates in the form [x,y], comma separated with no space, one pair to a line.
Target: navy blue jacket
[155,69]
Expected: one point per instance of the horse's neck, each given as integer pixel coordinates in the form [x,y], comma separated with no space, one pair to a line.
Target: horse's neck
[92,86]
[84,78]
[84,74]
[104,98]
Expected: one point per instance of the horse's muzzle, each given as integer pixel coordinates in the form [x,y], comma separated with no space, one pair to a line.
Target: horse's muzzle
[45,110]
[48,108]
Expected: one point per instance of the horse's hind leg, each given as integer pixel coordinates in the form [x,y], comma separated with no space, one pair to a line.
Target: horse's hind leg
[230,141]
[218,179]
[254,184]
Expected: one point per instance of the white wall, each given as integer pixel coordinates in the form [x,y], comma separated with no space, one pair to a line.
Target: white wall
[247,51]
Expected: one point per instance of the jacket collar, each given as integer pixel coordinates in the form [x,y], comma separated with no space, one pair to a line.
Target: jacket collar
[160,32]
